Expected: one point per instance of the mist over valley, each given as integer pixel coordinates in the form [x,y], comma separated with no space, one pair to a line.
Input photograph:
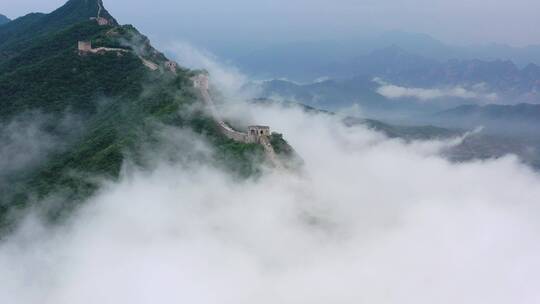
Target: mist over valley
[347,167]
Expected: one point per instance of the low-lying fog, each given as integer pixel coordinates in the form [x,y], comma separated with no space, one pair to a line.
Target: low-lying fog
[367,220]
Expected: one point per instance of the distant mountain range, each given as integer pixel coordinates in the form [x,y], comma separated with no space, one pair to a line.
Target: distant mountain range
[402,67]
[306,61]
[519,113]
[399,67]
[330,95]
[392,78]
[360,92]
[4,19]
[484,144]
[521,119]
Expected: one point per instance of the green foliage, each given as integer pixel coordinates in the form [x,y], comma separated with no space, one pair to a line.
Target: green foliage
[239,158]
[16,32]
[52,44]
[51,76]
[122,105]
[31,28]
[280,145]
[285,152]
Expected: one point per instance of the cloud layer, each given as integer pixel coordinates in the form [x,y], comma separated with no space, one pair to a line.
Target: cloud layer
[394,92]
[368,220]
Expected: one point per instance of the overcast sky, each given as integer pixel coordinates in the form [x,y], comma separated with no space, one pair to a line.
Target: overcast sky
[456,21]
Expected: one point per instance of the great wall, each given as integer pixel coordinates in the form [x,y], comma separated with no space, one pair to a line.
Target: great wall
[254,135]
[85,47]
[100,20]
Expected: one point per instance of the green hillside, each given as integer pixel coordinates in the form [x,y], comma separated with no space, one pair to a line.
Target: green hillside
[27,30]
[122,105]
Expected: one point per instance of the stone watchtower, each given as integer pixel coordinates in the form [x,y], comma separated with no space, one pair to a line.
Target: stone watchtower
[256,133]
[201,82]
[84,47]
[171,66]
[102,21]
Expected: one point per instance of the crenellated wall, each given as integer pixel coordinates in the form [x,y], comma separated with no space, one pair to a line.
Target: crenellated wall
[255,134]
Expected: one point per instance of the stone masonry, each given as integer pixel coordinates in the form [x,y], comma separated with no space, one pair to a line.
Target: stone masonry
[255,134]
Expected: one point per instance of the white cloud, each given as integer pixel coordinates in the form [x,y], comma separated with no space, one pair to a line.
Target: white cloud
[394,92]
[24,141]
[226,78]
[367,220]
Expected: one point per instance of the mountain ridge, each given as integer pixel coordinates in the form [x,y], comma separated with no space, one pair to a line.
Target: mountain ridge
[26,30]
[4,19]
[311,57]
[499,81]
[122,101]
[520,114]
[405,68]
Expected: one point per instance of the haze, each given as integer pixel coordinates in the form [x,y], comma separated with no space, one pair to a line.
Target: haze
[368,220]
[256,22]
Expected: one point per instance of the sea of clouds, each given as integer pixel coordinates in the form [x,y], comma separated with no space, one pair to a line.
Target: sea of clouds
[366,220]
